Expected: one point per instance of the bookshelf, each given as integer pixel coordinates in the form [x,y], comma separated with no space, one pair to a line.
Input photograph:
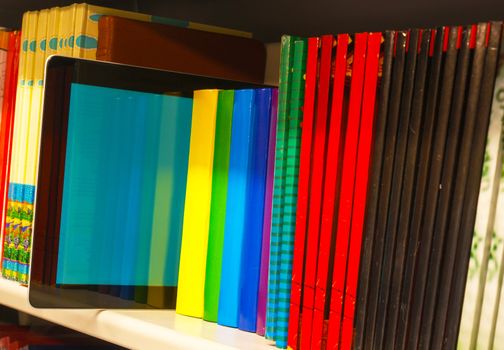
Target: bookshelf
[137,329]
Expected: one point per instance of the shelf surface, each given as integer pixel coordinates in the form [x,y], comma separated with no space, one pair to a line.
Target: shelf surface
[137,329]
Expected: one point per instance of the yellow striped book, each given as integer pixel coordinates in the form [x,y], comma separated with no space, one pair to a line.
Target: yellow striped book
[191,282]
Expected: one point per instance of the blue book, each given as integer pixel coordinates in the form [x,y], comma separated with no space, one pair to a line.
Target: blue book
[254,212]
[234,228]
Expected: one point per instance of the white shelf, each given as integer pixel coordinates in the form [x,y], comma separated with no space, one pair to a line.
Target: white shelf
[137,329]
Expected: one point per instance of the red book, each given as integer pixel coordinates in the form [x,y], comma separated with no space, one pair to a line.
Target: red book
[331,188]
[303,190]
[7,122]
[361,186]
[316,182]
[347,191]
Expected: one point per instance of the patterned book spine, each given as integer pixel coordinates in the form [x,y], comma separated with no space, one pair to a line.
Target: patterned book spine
[295,119]
[278,183]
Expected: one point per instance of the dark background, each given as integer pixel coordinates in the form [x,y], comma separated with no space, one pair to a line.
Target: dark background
[269,19]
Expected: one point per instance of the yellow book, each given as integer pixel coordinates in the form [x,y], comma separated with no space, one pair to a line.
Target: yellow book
[66,30]
[191,282]
[51,47]
[24,122]
[81,13]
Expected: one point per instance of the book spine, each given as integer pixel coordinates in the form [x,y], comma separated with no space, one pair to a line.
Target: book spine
[268,199]
[287,53]
[347,189]
[388,223]
[385,187]
[373,188]
[191,281]
[316,181]
[332,182]
[478,120]
[244,119]
[303,191]
[361,185]
[8,106]
[218,205]
[254,214]
[12,212]
[294,123]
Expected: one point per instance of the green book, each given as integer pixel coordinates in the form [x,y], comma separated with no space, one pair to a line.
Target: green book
[294,123]
[218,204]
[286,60]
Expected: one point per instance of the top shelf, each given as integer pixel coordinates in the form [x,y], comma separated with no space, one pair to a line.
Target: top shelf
[137,329]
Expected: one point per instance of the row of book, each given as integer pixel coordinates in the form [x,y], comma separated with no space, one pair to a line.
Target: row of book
[389,147]
[87,31]
[225,238]
[358,206]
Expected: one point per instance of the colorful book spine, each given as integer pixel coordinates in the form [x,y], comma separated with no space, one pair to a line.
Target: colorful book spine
[347,191]
[361,185]
[8,106]
[191,281]
[33,142]
[218,206]
[268,201]
[284,93]
[13,207]
[332,181]
[303,190]
[317,176]
[22,217]
[244,119]
[254,213]
[294,123]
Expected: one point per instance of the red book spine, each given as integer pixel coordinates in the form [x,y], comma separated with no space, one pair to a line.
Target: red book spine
[7,123]
[332,174]
[303,190]
[361,186]
[317,177]
[347,190]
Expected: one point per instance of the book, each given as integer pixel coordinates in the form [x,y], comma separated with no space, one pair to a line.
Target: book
[423,158]
[397,148]
[332,183]
[475,166]
[22,220]
[218,205]
[318,153]
[343,226]
[373,187]
[444,236]
[312,64]
[426,192]
[191,279]
[385,187]
[7,127]
[284,93]
[179,49]
[36,86]
[266,233]
[254,213]
[294,122]
[483,266]
[361,185]
[244,120]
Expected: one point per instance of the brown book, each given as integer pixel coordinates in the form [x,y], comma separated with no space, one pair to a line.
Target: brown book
[178,49]
[4,39]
